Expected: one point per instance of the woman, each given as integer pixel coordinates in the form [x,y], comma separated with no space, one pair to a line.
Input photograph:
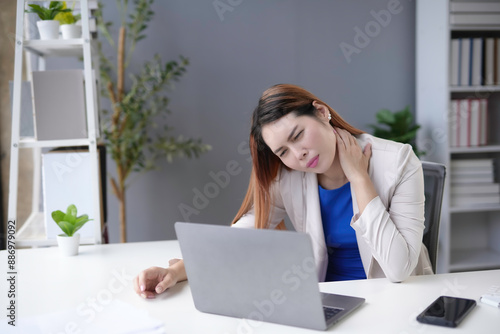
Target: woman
[360,198]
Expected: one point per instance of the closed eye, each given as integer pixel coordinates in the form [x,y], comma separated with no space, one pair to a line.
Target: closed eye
[283,152]
[298,135]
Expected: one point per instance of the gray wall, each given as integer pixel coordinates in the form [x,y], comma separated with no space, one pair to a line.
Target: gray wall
[237,54]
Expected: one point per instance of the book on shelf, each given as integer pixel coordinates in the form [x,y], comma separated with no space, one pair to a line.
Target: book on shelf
[474,61]
[454,61]
[471,171]
[475,188]
[469,200]
[497,61]
[465,58]
[471,163]
[489,61]
[470,7]
[475,19]
[472,178]
[468,123]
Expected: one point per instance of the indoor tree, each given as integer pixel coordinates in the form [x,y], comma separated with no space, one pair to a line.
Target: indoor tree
[131,128]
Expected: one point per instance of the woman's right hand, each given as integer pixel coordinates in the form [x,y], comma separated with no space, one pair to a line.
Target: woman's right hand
[155,280]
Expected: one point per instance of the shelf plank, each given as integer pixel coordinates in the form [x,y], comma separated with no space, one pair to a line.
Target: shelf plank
[478,149]
[474,27]
[56,47]
[475,89]
[31,142]
[474,259]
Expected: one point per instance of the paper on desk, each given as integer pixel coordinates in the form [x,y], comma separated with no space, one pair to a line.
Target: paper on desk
[117,317]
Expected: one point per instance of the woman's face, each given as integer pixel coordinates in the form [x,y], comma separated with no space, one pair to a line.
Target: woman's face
[303,143]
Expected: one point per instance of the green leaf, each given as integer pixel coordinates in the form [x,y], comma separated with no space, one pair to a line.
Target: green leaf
[385,116]
[80,222]
[71,211]
[58,216]
[66,227]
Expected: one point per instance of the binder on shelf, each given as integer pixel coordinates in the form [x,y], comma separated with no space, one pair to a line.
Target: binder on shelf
[497,61]
[476,62]
[483,121]
[468,122]
[59,104]
[474,123]
[454,62]
[465,61]
[489,61]
[453,124]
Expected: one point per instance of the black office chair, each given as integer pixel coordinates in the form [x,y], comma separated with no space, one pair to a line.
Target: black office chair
[434,178]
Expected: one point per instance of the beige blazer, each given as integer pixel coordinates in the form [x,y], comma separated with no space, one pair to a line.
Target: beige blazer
[390,230]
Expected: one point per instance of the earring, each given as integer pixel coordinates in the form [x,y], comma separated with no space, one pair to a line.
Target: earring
[329,117]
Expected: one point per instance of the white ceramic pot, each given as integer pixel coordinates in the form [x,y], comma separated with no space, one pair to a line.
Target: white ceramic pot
[48,29]
[70,31]
[68,245]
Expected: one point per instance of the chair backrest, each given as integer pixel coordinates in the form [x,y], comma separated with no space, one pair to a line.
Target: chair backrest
[434,178]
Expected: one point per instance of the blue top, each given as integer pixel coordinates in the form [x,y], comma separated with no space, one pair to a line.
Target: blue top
[344,261]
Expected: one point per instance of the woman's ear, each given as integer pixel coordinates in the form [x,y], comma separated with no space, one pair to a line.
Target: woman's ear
[322,109]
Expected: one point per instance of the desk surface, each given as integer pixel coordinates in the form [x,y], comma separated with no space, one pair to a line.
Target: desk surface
[48,282]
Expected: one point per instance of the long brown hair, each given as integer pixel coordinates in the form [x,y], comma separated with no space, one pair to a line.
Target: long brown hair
[276,102]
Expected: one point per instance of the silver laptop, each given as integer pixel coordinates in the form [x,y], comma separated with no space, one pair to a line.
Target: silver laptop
[259,275]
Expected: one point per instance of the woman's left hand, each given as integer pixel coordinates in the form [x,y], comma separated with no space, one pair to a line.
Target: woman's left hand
[353,160]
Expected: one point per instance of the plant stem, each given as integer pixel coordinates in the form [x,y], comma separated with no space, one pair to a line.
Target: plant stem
[123,216]
[121,59]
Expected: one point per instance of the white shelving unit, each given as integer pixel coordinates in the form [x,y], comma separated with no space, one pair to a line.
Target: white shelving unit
[469,236]
[32,233]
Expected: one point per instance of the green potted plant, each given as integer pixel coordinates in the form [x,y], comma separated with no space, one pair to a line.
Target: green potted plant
[69,223]
[139,103]
[48,27]
[397,126]
[67,20]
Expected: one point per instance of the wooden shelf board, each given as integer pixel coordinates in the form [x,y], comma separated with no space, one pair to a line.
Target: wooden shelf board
[56,47]
[474,259]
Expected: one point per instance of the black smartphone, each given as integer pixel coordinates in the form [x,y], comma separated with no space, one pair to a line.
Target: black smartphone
[446,311]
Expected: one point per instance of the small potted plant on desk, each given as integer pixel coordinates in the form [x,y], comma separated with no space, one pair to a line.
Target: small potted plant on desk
[48,27]
[67,20]
[69,223]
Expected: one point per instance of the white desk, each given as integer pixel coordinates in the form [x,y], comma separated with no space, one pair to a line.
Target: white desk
[48,282]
